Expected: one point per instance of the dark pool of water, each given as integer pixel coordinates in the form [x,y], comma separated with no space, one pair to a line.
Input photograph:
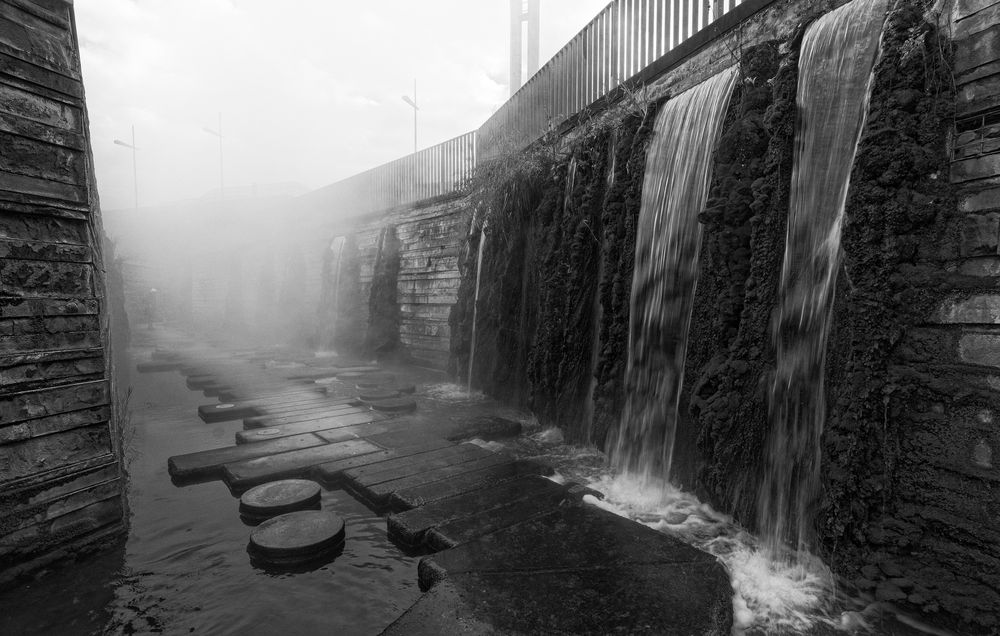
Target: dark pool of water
[184,568]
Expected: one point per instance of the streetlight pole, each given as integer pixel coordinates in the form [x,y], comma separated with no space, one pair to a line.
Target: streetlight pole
[218,133]
[413,103]
[135,172]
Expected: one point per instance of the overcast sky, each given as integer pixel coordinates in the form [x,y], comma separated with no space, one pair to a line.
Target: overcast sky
[309,90]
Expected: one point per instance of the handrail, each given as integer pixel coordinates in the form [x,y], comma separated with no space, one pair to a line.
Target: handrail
[623,39]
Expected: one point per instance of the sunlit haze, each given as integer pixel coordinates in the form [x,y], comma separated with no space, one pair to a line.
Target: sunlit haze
[310,92]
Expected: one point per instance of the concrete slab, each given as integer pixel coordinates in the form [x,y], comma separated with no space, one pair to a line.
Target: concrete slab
[346,419]
[578,569]
[210,462]
[244,474]
[225,412]
[464,529]
[380,493]
[408,528]
[406,466]
[279,419]
[301,408]
[676,600]
[331,473]
[467,482]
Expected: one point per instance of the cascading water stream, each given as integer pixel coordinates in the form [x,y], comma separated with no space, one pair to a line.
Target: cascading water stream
[337,247]
[668,239]
[835,75]
[475,305]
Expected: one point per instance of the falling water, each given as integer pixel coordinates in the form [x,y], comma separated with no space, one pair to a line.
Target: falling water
[475,304]
[337,247]
[835,71]
[668,238]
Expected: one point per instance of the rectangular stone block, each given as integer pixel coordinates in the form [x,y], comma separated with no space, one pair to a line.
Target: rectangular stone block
[468,482]
[380,493]
[975,15]
[408,528]
[980,201]
[332,472]
[263,421]
[45,279]
[242,475]
[341,421]
[407,466]
[27,405]
[977,96]
[24,458]
[208,462]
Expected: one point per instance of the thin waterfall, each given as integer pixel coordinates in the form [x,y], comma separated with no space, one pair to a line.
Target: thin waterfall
[668,239]
[475,304]
[337,247]
[597,310]
[835,74]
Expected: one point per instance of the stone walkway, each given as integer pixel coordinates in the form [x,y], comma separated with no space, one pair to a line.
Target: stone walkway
[514,552]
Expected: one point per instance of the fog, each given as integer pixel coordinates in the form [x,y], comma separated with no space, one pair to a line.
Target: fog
[304,94]
[309,91]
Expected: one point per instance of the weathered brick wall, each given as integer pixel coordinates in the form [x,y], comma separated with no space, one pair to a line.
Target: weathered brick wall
[59,474]
[431,237]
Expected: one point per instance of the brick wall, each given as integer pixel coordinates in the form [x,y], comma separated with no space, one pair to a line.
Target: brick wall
[59,474]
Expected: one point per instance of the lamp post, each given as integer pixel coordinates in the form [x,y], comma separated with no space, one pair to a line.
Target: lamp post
[218,133]
[413,103]
[135,173]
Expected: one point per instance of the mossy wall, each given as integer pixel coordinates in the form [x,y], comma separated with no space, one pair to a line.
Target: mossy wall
[382,336]
[901,516]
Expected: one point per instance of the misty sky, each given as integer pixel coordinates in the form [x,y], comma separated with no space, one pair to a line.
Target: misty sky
[309,90]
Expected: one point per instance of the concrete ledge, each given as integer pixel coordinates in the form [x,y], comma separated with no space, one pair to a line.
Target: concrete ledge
[468,482]
[576,570]
[209,462]
[286,430]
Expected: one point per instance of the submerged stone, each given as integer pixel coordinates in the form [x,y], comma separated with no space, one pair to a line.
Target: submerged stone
[371,395]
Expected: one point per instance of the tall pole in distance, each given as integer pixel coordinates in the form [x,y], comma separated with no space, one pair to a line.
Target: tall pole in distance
[218,133]
[135,172]
[413,103]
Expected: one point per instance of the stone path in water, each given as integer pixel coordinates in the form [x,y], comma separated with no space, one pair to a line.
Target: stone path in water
[510,550]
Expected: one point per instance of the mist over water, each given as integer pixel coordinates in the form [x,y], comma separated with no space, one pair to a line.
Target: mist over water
[835,74]
[668,241]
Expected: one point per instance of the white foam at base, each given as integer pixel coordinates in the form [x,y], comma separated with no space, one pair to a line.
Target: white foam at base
[451,392]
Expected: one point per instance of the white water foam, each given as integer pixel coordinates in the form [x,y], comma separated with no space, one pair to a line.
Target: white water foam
[451,392]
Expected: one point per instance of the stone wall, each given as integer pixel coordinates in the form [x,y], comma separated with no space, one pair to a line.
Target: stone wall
[60,478]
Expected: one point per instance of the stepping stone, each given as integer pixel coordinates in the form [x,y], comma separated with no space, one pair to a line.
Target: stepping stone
[375,394]
[244,474]
[209,462]
[382,491]
[415,464]
[261,434]
[348,376]
[278,419]
[468,482]
[279,497]
[409,388]
[408,528]
[157,366]
[395,405]
[225,412]
[296,538]
[375,380]
[331,473]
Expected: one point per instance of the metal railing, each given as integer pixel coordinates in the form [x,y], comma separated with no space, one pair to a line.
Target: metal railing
[625,38]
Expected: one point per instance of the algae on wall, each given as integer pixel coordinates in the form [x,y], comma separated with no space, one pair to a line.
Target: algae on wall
[382,336]
[903,515]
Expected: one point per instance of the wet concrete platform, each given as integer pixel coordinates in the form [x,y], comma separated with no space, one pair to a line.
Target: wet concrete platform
[514,552]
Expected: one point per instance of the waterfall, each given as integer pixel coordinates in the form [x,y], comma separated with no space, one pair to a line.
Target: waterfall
[668,238]
[337,247]
[835,72]
[475,304]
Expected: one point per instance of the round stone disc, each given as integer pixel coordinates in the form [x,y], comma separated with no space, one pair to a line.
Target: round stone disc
[405,388]
[304,534]
[395,405]
[370,395]
[278,497]
[347,376]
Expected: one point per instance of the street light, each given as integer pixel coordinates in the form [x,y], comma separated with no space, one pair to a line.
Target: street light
[135,179]
[413,103]
[218,133]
